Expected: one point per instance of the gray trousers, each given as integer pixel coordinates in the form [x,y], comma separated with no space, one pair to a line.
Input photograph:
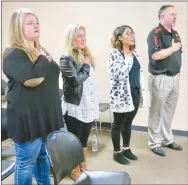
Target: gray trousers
[164,95]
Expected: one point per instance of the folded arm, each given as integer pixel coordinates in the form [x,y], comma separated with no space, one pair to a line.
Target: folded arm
[16,65]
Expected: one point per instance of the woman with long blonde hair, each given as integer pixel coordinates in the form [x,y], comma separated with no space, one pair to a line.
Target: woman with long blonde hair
[79,103]
[33,101]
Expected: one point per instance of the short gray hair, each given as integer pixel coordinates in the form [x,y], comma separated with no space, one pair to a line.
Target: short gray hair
[162,9]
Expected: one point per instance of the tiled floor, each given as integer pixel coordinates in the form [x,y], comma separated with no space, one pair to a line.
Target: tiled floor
[149,169]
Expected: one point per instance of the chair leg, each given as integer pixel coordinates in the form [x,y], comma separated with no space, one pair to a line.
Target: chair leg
[96,129]
[100,123]
[110,118]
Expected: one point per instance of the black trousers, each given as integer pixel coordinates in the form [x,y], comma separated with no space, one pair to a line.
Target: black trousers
[78,128]
[123,121]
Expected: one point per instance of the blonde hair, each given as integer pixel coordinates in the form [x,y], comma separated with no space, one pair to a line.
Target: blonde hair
[70,36]
[17,39]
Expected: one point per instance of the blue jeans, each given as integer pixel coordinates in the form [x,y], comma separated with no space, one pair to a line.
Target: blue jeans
[32,158]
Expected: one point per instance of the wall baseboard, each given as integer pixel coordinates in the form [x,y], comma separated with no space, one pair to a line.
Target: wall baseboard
[107,126]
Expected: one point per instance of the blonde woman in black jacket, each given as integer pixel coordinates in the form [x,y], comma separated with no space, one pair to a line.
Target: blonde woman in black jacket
[79,103]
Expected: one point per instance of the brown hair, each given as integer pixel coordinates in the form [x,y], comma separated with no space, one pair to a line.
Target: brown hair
[116,43]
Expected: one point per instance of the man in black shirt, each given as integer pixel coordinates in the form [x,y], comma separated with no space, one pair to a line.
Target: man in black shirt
[164,49]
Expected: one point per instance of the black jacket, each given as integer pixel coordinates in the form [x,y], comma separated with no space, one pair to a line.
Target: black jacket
[73,77]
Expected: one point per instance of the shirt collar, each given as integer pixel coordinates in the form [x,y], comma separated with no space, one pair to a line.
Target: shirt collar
[165,30]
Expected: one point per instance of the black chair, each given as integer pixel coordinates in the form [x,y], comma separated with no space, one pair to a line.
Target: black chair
[65,153]
[4,133]
[7,168]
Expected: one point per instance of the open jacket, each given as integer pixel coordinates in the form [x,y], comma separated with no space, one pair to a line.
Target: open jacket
[73,77]
[120,92]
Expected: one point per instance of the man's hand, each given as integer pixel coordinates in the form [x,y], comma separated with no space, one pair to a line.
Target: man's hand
[164,53]
[176,46]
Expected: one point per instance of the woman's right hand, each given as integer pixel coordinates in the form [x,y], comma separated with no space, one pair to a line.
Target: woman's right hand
[45,53]
[81,58]
[87,61]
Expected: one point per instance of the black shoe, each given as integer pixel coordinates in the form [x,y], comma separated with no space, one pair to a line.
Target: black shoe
[120,158]
[174,146]
[128,154]
[159,151]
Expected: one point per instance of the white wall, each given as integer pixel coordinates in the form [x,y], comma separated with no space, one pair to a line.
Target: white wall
[100,19]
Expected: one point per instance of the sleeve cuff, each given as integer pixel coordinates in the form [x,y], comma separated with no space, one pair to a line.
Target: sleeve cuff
[86,67]
[154,50]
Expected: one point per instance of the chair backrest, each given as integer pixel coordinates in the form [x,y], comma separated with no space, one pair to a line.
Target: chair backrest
[4,133]
[103,107]
[65,153]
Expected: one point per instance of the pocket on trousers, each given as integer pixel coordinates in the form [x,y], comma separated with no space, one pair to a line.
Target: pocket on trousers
[159,82]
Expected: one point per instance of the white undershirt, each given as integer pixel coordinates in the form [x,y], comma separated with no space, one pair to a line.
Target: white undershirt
[88,110]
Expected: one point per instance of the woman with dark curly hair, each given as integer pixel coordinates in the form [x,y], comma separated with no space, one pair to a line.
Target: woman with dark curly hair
[126,90]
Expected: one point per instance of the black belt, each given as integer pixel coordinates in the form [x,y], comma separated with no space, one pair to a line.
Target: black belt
[167,74]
